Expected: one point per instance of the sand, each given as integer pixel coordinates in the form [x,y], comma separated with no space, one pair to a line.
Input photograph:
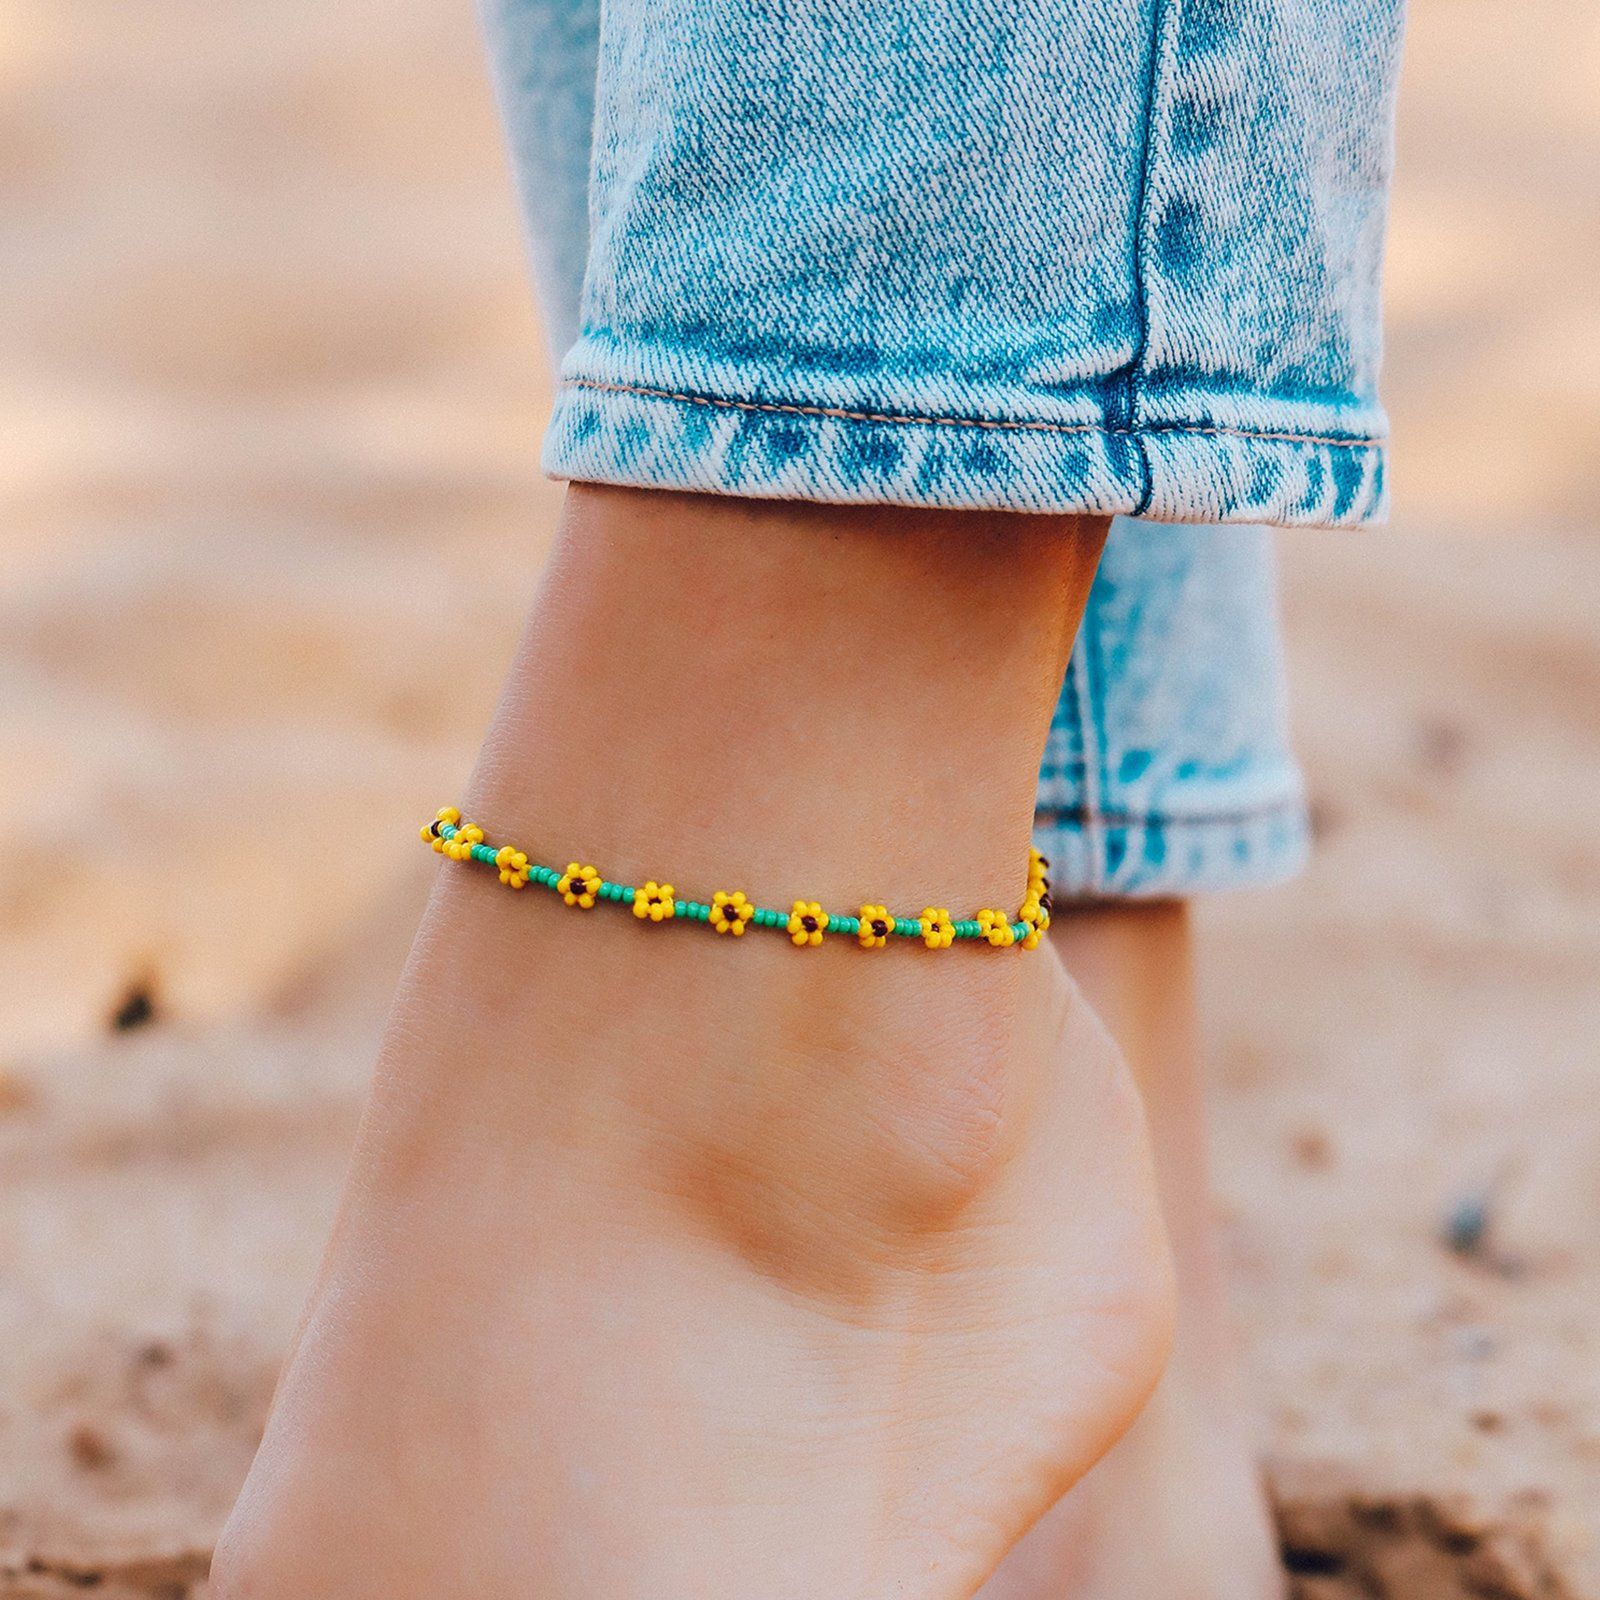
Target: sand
[270,412]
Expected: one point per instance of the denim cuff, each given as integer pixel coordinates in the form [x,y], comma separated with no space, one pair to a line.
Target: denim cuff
[626,433]
[1099,857]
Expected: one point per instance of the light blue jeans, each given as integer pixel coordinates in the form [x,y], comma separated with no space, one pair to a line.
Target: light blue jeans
[1102,256]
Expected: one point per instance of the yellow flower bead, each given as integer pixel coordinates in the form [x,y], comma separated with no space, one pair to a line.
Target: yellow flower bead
[996,926]
[579,885]
[1038,874]
[938,931]
[654,902]
[876,926]
[513,865]
[807,922]
[460,847]
[445,816]
[731,913]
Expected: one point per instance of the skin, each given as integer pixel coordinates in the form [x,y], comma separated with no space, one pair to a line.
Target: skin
[678,1265]
[1177,1507]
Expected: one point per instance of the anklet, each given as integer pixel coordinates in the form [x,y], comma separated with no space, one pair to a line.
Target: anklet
[729,911]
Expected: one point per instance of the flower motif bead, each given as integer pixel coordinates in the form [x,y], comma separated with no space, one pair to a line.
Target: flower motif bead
[996,928]
[579,885]
[876,926]
[460,847]
[654,902]
[731,913]
[445,816]
[807,922]
[513,865]
[1038,874]
[938,931]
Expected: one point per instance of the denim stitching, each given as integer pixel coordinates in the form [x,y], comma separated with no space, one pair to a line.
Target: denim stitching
[1353,441]
[1088,817]
[1141,245]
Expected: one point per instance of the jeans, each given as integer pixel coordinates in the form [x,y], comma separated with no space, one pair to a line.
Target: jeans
[1041,255]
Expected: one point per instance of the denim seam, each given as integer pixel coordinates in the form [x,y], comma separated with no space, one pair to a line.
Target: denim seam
[835,413]
[1090,818]
[1141,245]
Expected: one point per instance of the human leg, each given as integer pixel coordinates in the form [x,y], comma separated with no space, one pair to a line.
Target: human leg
[681,1265]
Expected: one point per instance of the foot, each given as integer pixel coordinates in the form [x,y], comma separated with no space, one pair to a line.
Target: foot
[689,1269]
[1176,1509]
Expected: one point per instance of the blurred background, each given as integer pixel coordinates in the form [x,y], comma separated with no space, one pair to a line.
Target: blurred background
[271,390]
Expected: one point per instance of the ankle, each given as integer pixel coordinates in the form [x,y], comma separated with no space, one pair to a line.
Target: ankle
[777,699]
[797,1106]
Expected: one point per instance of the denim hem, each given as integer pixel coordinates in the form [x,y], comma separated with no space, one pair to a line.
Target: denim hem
[1166,472]
[1099,857]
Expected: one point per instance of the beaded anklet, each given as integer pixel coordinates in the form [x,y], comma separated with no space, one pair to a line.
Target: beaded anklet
[729,911]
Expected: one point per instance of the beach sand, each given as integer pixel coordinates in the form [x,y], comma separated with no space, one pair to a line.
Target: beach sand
[272,390]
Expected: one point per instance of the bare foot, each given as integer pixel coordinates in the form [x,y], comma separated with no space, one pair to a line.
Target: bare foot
[673,1265]
[1177,1509]
[763,1297]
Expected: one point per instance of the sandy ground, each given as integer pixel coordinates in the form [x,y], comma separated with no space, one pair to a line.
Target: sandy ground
[271,391]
